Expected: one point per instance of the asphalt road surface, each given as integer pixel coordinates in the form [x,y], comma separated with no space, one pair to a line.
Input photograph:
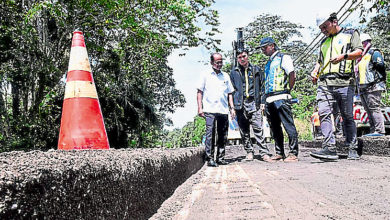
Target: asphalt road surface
[308,189]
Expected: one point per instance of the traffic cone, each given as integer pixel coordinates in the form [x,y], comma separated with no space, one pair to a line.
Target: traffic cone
[82,125]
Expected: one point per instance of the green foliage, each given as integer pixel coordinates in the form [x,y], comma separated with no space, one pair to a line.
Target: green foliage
[188,136]
[378,6]
[266,25]
[386,95]
[128,43]
[303,128]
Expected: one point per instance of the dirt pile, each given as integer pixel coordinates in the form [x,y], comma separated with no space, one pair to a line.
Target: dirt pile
[378,146]
[113,184]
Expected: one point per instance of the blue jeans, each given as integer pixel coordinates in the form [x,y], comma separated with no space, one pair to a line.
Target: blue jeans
[327,96]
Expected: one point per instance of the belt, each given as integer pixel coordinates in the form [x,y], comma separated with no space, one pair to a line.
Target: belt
[249,99]
[273,98]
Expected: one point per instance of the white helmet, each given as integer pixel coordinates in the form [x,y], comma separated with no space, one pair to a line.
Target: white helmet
[321,18]
[364,37]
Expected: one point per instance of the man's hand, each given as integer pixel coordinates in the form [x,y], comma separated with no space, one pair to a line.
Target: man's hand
[262,108]
[232,113]
[337,59]
[314,74]
[201,113]
[314,77]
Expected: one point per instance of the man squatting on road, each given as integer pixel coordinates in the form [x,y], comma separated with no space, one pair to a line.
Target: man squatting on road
[213,96]
[279,79]
[372,77]
[246,80]
[336,83]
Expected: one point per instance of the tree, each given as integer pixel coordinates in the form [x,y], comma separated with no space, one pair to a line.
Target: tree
[190,135]
[282,32]
[128,44]
[379,6]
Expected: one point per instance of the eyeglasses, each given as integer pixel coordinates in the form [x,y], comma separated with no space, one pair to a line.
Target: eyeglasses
[218,62]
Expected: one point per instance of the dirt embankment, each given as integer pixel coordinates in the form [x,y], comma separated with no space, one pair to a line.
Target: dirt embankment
[113,184]
[378,146]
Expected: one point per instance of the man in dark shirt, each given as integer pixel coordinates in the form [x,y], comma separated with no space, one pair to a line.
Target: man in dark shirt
[246,97]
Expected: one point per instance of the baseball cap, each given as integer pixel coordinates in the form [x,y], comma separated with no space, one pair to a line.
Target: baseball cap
[267,40]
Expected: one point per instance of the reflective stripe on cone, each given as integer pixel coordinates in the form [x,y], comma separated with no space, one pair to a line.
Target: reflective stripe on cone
[82,125]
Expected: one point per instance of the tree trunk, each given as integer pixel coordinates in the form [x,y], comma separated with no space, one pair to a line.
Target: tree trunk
[15,100]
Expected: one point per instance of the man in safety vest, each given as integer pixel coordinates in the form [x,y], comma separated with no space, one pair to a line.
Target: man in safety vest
[372,77]
[279,79]
[336,83]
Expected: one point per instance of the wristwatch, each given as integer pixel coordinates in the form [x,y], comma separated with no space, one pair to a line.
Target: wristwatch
[345,56]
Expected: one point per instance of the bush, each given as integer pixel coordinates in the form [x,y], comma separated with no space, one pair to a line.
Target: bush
[303,129]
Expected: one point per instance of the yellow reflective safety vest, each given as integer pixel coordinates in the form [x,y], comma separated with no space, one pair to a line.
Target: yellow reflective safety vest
[368,75]
[334,46]
[275,77]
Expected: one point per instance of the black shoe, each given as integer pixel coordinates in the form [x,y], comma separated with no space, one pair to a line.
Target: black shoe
[222,162]
[353,155]
[325,154]
[212,163]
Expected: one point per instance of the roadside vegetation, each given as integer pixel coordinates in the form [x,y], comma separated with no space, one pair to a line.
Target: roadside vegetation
[128,43]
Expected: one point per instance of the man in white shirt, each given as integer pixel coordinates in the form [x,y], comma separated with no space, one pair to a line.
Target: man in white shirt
[214,96]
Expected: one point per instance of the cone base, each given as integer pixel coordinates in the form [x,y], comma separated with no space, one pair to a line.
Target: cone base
[82,125]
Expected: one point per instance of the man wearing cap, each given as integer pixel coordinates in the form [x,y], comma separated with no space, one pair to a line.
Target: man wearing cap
[214,95]
[246,80]
[372,77]
[336,83]
[279,79]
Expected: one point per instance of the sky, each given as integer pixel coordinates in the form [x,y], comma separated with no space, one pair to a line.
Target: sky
[234,14]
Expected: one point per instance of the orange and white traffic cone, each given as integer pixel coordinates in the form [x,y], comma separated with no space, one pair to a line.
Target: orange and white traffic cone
[82,125]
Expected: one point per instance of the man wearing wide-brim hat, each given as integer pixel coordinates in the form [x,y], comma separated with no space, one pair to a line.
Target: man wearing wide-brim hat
[334,74]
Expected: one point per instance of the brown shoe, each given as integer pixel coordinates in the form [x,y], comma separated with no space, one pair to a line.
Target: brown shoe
[249,156]
[276,157]
[291,158]
[267,158]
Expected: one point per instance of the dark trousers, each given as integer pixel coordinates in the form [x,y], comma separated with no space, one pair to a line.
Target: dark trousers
[255,119]
[216,122]
[279,112]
